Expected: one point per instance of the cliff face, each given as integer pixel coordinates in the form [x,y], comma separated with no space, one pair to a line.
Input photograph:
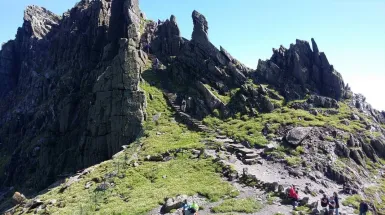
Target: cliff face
[69,90]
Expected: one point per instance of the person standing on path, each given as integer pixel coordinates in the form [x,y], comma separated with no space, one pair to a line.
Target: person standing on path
[337,202]
[363,207]
[324,204]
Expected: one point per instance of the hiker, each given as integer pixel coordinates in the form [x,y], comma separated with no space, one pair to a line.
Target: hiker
[156,64]
[363,208]
[147,48]
[183,105]
[332,205]
[337,202]
[185,208]
[324,204]
[159,22]
[293,194]
[194,208]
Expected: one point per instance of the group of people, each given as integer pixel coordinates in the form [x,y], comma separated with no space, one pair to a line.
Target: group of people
[330,205]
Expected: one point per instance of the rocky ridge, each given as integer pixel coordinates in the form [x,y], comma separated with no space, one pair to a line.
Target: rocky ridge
[71,86]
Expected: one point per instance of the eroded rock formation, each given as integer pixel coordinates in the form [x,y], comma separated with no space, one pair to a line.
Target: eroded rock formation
[300,69]
[69,90]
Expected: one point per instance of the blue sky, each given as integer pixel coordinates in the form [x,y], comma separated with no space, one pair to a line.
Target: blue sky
[350,32]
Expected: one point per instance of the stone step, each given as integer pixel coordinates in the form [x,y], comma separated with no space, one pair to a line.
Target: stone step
[251,156]
[250,161]
[246,151]
[236,146]
[221,137]
[227,140]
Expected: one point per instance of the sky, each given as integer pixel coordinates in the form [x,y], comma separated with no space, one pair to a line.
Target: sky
[350,32]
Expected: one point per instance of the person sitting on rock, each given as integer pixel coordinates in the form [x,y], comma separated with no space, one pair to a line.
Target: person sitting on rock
[324,204]
[293,195]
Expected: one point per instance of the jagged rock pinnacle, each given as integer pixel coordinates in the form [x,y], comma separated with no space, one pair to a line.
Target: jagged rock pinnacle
[38,21]
[200,32]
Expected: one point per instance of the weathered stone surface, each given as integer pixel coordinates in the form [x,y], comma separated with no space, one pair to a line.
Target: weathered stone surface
[299,67]
[69,90]
[200,32]
[323,102]
[173,203]
[296,135]
[18,198]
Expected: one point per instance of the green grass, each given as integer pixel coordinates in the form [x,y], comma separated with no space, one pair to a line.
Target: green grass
[224,98]
[293,160]
[144,188]
[302,209]
[247,205]
[353,200]
[246,128]
[165,134]
[298,151]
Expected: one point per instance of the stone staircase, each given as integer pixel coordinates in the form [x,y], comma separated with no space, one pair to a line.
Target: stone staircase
[246,155]
[186,118]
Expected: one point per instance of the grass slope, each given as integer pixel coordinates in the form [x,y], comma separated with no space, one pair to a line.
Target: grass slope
[247,205]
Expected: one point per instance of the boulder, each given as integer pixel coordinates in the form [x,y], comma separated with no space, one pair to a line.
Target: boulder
[270,147]
[297,135]
[352,142]
[18,198]
[304,201]
[173,203]
[356,155]
[322,102]
[379,146]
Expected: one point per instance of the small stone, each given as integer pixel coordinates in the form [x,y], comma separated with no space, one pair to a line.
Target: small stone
[52,202]
[88,185]
[164,177]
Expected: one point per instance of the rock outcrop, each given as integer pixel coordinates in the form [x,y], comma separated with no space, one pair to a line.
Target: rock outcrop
[69,90]
[298,70]
[195,61]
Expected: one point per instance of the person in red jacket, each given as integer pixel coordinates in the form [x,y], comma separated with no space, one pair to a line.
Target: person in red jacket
[293,194]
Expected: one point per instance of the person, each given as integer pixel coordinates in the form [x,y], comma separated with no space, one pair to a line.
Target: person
[147,48]
[183,106]
[156,64]
[363,208]
[293,194]
[159,22]
[185,208]
[194,208]
[337,202]
[324,204]
[332,205]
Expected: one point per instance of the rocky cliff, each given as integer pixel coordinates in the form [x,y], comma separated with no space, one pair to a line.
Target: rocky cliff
[74,92]
[69,90]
